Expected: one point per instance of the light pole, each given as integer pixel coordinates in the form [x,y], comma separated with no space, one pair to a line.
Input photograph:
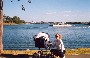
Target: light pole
[1,26]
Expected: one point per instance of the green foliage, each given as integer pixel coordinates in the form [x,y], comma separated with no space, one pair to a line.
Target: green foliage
[15,19]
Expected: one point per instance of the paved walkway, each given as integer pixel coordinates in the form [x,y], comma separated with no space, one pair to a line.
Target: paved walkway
[67,56]
[78,56]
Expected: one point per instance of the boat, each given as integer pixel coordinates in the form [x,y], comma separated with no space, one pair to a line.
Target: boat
[61,25]
[89,26]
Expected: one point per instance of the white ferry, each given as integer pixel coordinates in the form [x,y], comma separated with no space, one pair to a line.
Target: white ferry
[61,25]
[89,26]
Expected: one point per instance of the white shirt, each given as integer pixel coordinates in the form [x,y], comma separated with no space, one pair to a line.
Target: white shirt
[59,45]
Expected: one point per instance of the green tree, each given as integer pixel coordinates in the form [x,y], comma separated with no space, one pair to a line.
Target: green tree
[15,19]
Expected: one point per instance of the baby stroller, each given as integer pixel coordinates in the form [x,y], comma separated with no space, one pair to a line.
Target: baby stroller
[42,41]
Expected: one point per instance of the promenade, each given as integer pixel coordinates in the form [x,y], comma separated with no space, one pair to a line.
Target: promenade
[78,56]
[29,56]
[74,53]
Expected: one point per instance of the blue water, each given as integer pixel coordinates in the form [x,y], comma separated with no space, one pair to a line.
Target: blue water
[20,37]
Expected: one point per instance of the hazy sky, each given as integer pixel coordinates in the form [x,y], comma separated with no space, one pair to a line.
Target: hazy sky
[49,10]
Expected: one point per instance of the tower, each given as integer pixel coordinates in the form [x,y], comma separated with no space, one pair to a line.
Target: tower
[1,25]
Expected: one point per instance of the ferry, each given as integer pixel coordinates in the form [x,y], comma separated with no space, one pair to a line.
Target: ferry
[61,25]
[89,26]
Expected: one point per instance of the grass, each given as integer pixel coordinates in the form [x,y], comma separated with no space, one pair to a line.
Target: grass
[78,51]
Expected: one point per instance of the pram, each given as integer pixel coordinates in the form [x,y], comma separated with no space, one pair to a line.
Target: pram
[42,41]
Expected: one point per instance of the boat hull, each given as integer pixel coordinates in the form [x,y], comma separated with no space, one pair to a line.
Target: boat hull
[67,25]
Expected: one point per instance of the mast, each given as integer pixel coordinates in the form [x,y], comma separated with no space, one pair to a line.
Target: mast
[1,25]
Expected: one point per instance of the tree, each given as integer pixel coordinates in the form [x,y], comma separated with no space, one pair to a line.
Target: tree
[23,8]
[1,22]
[1,26]
[15,19]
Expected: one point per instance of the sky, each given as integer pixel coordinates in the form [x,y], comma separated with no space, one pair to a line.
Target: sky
[49,10]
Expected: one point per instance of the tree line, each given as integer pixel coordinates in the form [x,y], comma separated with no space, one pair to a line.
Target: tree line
[14,19]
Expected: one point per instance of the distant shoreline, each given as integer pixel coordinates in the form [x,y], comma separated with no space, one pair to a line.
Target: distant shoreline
[11,24]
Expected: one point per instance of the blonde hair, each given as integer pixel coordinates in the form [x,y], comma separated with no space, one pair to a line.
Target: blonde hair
[60,36]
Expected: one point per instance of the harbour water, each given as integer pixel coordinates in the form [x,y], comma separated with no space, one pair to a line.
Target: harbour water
[20,37]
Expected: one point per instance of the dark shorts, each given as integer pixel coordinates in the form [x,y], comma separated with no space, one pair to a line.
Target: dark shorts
[58,52]
[61,54]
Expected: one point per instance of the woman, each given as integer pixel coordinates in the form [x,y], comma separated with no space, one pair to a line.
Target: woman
[59,45]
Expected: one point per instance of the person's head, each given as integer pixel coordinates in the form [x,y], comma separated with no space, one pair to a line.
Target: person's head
[58,36]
